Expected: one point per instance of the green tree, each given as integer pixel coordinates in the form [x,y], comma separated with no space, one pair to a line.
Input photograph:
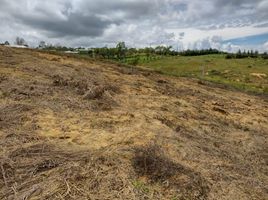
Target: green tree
[121,50]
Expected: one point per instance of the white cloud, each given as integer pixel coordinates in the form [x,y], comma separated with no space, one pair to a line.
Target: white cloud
[181,23]
[265,46]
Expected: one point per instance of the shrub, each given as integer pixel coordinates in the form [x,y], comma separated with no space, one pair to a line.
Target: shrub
[229,56]
[134,61]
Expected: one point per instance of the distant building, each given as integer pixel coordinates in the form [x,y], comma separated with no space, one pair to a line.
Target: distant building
[19,46]
[71,52]
[82,50]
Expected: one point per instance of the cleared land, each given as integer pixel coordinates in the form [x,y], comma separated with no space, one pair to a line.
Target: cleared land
[81,129]
[247,74]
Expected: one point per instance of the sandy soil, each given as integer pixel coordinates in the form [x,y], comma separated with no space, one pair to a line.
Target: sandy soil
[84,129]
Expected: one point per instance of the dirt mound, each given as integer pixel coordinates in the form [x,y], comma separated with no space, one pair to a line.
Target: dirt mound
[81,129]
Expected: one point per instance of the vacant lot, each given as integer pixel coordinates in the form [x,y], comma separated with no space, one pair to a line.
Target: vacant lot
[81,129]
[248,74]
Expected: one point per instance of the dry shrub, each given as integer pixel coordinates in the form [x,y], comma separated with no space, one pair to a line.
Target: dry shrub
[79,86]
[59,81]
[102,97]
[151,162]
[105,103]
[99,94]
[182,182]
[99,91]
[94,92]
[90,89]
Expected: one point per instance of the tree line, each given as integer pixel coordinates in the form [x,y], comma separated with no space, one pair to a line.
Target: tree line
[246,54]
[122,53]
[200,52]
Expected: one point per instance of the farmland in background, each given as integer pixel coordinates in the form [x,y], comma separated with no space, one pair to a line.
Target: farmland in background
[248,74]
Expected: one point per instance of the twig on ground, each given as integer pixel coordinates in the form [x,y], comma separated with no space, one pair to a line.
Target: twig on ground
[4,175]
[68,188]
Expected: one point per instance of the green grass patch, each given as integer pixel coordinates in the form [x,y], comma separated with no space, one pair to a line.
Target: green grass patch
[248,74]
[140,186]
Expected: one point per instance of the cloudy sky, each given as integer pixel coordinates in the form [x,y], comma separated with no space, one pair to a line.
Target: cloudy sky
[224,24]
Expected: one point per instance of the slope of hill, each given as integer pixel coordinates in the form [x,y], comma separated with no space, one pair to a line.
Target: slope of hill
[81,129]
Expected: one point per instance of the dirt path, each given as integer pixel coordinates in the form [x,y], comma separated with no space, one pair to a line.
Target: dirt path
[79,129]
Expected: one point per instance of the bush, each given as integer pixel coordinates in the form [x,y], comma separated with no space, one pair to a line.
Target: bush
[265,56]
[151,162]
[229,56]
[134,61]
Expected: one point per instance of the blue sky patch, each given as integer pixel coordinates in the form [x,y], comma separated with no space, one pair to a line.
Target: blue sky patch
[250,40]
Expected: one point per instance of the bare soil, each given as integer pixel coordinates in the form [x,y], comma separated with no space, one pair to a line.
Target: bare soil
[83,129]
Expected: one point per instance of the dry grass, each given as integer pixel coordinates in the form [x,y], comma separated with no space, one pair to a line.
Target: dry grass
[45,171]
[83,129]
[48,172]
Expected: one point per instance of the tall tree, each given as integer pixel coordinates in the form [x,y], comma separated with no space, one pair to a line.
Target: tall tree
[42,44]
[20,41]
[121,50]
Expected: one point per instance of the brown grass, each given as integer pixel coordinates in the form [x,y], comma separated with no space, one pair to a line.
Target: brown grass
[84,129]
[48,172]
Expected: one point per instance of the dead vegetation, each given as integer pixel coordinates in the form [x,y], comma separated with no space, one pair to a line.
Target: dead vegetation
[151,162]
[99,93]
[48,172]
[80,129]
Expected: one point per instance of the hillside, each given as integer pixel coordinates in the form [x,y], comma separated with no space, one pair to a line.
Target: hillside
[83,129]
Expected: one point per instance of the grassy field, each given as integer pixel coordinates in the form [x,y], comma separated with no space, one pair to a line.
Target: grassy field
[246,74]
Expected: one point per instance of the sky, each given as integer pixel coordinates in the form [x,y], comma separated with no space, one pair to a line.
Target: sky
[227,25]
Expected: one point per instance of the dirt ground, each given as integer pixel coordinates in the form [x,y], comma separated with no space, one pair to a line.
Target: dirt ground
[84,129]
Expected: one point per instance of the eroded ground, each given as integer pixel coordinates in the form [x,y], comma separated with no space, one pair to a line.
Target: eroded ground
[81,129]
